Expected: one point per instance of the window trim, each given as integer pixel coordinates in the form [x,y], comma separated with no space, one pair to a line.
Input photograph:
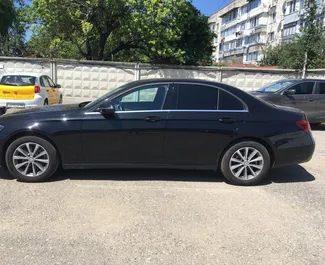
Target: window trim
[94,111]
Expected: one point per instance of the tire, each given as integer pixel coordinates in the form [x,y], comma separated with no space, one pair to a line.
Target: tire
[60,100]
[44,152]
[46,102]
[260,163]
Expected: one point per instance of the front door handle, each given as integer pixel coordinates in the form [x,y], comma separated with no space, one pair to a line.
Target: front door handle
[227,120]
[310,100]
[152,119]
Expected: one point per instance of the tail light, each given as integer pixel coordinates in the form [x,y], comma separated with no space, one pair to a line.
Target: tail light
[304,125]
[37,89]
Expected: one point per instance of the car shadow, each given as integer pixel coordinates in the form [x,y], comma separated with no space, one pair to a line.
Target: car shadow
[320,127]
[289,174]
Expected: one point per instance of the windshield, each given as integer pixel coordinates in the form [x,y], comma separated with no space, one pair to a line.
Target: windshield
[275,87]
[110,93]
[18,80]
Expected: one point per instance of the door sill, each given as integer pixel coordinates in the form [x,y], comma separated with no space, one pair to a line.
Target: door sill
[140,166]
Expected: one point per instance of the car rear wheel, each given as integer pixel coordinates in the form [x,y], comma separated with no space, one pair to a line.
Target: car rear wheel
[46,102]
[60,100]
[31,159]
[246,163]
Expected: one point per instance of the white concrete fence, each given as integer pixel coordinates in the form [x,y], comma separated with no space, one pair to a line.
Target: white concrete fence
[87,80]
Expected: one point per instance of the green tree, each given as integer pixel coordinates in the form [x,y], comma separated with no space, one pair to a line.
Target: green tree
[164,31]
[12,42]
[7,16]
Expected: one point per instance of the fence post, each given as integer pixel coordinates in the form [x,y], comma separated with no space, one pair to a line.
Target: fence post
[53,68]
[137,72]
[219,76]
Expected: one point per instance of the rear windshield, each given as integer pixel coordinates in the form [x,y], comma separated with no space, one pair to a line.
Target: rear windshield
[18,80]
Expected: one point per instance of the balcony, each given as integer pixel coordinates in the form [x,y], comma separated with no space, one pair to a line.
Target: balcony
[259,29]
[293,17]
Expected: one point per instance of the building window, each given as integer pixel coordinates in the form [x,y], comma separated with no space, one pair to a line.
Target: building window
[230,16]
[253,4]
[252,57]
[273,15]
[254,22]
[289,29]
[271,36]
[212,26]
[239,43]
[291,7]
[253,39]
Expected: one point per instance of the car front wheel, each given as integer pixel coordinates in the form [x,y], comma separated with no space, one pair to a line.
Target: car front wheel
[246,163]
[31,159]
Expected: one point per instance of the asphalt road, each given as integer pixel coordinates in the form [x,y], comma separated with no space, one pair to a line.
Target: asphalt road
[166,217]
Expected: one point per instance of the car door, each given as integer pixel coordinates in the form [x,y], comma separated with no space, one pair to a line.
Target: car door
[320,108]
[201,125]
[304,98]
[47,87]
[134,135]
[55,90]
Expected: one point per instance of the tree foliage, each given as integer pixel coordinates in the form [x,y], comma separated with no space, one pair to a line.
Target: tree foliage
[13,23]
[7,16]
[158,31]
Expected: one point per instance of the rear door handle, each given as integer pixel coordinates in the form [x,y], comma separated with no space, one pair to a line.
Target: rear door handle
[227,120]
[152,119]
[310,100]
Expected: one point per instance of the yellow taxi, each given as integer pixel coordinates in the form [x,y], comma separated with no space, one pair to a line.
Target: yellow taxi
[28,90]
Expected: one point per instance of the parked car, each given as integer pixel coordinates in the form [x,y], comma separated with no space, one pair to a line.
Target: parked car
[27,90]
[159,123]
[307,95]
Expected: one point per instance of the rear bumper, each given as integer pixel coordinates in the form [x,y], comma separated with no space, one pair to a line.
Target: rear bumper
[296,152]
[38,101]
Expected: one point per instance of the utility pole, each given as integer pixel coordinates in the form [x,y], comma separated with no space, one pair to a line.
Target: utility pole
[309,32]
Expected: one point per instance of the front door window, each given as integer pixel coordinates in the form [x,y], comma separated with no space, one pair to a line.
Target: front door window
[144,98]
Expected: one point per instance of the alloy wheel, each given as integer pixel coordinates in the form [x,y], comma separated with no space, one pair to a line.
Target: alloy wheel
[246,163]
[31,159]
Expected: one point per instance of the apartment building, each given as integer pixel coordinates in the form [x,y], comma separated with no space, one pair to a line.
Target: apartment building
[244,28]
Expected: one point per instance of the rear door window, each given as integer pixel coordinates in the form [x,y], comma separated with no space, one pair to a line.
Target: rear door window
[229,102]
[197,97]
[18,80]
[322,88]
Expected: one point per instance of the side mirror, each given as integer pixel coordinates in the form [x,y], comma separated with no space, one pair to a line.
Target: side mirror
[290,92]
[57,86]
[3,110]
[108,109]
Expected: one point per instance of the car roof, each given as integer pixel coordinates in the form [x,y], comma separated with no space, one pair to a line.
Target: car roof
[301,80]
[24,73]
[178,80]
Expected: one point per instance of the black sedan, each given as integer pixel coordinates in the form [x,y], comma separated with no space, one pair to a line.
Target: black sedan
[161,123]
[306,94]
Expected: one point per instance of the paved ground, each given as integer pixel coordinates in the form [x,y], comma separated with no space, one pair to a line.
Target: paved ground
[166,217]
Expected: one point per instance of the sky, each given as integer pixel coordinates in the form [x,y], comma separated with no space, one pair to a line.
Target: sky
[208,7]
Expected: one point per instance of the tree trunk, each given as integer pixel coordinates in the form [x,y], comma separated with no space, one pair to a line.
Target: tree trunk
[102,44]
